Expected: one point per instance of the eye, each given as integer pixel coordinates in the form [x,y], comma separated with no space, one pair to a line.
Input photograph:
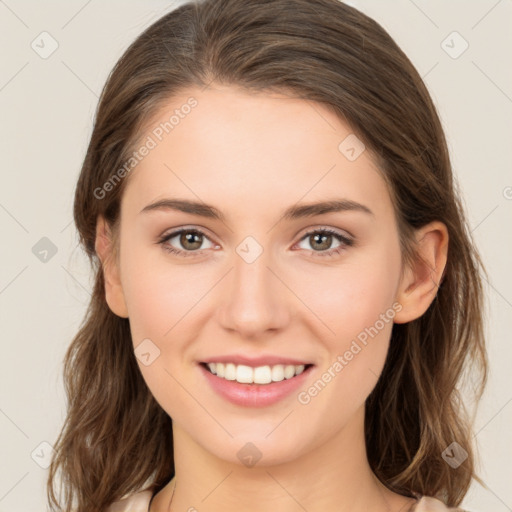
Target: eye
[321,239]
[190,239]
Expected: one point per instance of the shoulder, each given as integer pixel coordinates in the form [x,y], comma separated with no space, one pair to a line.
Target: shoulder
[430,504]
[136,502]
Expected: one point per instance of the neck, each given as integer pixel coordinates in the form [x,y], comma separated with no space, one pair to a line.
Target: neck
[334,476]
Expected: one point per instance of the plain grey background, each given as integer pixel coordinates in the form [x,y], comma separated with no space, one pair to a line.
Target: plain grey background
[55,59]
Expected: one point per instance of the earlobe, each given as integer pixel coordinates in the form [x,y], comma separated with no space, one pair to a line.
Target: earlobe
[420,283]
[113,288]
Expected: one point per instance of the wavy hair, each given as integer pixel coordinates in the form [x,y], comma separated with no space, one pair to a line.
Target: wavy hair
[116,439]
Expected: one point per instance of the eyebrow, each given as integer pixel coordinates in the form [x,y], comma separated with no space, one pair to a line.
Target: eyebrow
[297,211]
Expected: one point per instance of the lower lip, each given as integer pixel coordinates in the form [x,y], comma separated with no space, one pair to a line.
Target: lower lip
[255,395]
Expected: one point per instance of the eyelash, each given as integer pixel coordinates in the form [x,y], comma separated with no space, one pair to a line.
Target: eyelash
[346,242]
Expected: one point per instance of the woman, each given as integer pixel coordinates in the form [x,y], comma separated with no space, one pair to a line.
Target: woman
[286,290]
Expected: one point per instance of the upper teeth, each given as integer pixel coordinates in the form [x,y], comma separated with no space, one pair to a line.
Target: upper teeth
[259,375]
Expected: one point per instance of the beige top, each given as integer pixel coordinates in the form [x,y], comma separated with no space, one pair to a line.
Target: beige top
[139,502]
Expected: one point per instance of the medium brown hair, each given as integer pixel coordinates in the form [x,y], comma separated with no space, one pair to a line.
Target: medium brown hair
[116,438]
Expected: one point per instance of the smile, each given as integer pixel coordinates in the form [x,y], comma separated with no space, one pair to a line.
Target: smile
[255,386]
[259,375]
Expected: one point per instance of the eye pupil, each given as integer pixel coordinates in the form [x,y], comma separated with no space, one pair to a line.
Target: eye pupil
[324,237]
[188,238]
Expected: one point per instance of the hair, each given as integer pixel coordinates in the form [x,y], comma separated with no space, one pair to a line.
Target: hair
[116,439]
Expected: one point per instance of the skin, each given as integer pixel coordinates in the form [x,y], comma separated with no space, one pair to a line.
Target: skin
[251,156]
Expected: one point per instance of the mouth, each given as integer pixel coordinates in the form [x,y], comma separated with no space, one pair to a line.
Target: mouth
[260,375]
[255,380]
[255,386]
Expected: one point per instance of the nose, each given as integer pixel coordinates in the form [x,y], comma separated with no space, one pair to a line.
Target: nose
[254,300]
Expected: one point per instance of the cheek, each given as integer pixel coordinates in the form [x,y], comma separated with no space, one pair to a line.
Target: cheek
[160,296]
[356,302]
[160,300]
[352,297]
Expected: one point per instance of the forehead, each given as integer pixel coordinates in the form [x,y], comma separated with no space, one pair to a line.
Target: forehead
[240,150]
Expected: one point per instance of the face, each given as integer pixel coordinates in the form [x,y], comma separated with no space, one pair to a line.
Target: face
[255,287]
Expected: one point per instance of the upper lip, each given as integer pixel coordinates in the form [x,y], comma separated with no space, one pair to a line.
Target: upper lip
[269,360]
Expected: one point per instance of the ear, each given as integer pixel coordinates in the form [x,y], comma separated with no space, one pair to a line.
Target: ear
[419,284]
[105,250]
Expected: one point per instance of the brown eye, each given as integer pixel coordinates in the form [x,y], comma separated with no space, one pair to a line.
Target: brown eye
[321,242]
[189,242]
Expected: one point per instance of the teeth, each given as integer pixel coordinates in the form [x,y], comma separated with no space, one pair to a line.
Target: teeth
[289,371]
[259,375]
[263,374]
[278,373]
[230,372]
[244,374]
